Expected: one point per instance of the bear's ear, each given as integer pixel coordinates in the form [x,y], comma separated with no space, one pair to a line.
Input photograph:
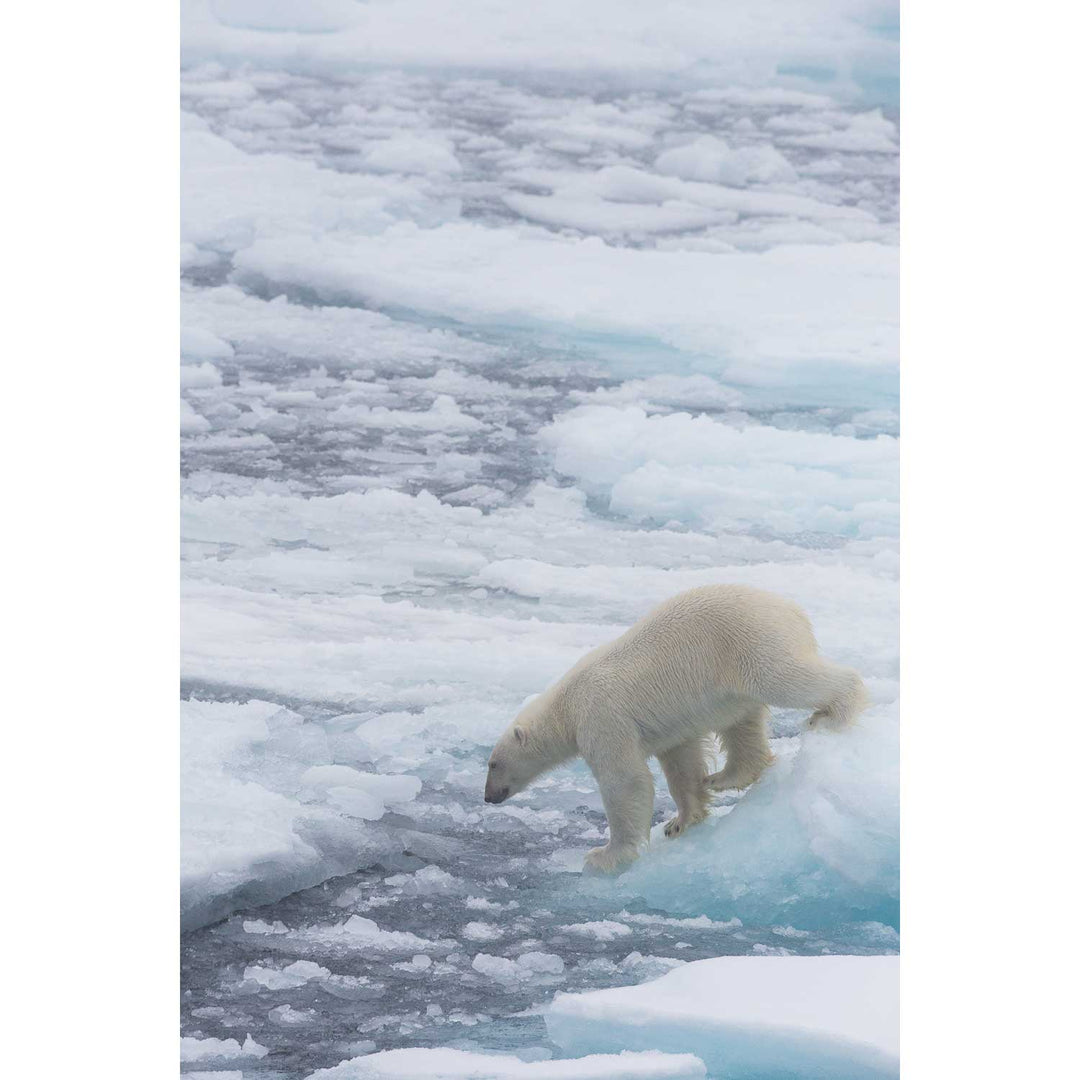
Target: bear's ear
[521,735]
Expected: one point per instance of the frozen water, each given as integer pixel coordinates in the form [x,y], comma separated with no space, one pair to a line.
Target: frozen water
[255,824]
[448,1064]
[490,343]
[842,46]
[195,1049]
[836,1016]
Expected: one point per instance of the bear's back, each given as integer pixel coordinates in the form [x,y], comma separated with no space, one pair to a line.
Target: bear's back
[691,648]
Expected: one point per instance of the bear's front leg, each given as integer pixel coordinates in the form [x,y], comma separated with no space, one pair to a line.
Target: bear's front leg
[626,788]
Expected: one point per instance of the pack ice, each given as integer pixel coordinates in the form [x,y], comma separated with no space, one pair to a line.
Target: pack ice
[493,338]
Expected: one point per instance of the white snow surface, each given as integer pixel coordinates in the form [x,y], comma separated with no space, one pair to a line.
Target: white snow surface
[838,42]
[450,1064]
[750,1015]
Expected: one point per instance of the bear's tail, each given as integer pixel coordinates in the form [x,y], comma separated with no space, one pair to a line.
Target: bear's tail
[844,696]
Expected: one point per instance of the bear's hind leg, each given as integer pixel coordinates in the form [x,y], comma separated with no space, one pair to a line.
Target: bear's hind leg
[748,755]
[626,787]
[684,768]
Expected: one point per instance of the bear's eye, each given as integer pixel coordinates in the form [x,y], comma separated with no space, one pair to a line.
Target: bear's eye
[491,764]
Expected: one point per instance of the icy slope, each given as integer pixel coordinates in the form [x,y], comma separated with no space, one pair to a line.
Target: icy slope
[823,1016]
[814,843]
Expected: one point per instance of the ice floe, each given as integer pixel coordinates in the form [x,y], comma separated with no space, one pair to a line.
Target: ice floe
[832,1016]
[451,1064]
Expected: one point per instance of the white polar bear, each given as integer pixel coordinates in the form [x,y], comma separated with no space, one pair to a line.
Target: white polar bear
[706,662]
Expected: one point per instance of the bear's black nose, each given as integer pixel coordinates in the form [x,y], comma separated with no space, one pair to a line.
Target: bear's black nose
[498,796]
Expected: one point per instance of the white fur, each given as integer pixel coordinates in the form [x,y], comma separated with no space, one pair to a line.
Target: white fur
[706,662]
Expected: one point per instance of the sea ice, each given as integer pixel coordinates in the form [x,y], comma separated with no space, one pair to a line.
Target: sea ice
[835,1016]
[491,341]
[255,825]
[196,1049]
[450,1064]
[839,46]
[295,974]
[604,930]
[530,965]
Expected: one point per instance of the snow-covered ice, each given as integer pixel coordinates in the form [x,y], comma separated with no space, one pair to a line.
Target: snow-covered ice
[835,1016]
[448,1064]
[493,337]
[255,824]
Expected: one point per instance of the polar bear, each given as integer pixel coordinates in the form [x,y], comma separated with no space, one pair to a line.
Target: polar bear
[707,662]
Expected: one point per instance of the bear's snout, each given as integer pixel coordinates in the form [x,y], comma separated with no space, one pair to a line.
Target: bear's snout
[496,796]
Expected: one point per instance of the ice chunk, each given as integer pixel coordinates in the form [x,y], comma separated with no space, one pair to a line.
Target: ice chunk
[449,1064]
[836,1016]
[527,966]
[865,133]
[363,795]
[260,926]
[194,1049]
[605,930]
[427,881]
[711,159]
[700,922]
[363,933]
[665,392]
[198,345]
[295,974]
[481,931]
[191,422]
[198,377]
[410,154]
[420,962]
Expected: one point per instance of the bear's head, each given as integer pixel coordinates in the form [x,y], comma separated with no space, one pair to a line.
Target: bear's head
[525,750]
[513,765]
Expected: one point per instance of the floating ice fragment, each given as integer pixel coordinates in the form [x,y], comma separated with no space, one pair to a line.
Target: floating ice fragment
[606,930]
[260,926]
[295,974]
[410,154]
[193,1049]
[428,880]
[698,922]
[481,931]
[420,962]
[527,966]
[356,930]
[711,159]
[287,1016]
